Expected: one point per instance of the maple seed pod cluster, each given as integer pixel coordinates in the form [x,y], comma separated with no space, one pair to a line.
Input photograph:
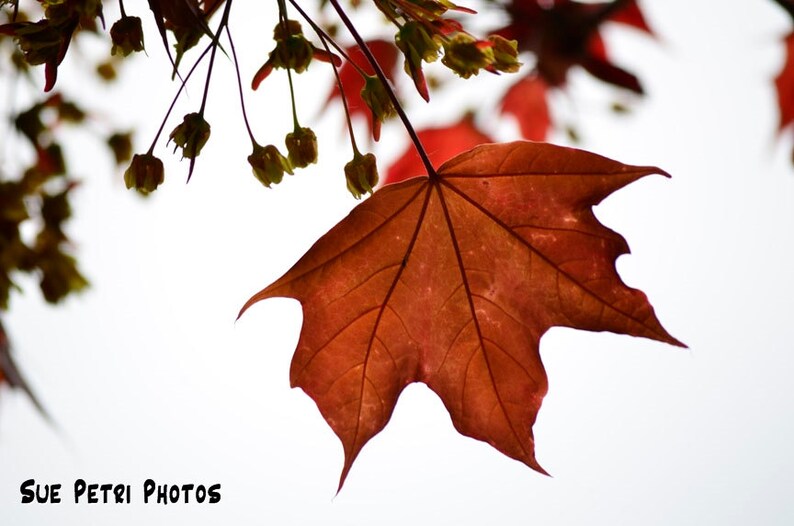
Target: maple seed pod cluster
[191,135]
[127,36]
[145,173]
[301,147]
[361,174]
[268,164]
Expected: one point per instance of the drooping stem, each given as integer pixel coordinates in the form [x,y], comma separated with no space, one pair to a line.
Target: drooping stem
[215,45]
[239,84]
[176,97]
[283,18]
[431,171]
[323,39]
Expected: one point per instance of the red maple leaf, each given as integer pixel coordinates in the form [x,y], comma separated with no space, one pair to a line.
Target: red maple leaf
[441,145]
[784,83]
[451,280]
[386,54]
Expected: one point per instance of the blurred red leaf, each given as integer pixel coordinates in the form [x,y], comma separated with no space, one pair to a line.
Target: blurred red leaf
[441,145]
[566,33]
[526,101]
[451,281]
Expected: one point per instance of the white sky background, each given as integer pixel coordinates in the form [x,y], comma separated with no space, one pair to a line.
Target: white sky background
[148,376]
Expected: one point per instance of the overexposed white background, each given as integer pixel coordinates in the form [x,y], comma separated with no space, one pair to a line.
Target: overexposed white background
[147,375]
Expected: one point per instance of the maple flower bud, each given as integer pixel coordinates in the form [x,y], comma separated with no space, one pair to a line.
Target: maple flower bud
[465,55]
[145,173]
[375,96]
[361,174]
[302,147]
[127,35]
[505,54]
[268,164]
[191,135]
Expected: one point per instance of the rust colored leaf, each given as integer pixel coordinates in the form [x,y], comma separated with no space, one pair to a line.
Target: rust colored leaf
[451,281]
[526,100]
[441,144]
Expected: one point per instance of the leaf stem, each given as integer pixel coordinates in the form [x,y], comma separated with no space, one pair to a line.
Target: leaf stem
[431,171]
